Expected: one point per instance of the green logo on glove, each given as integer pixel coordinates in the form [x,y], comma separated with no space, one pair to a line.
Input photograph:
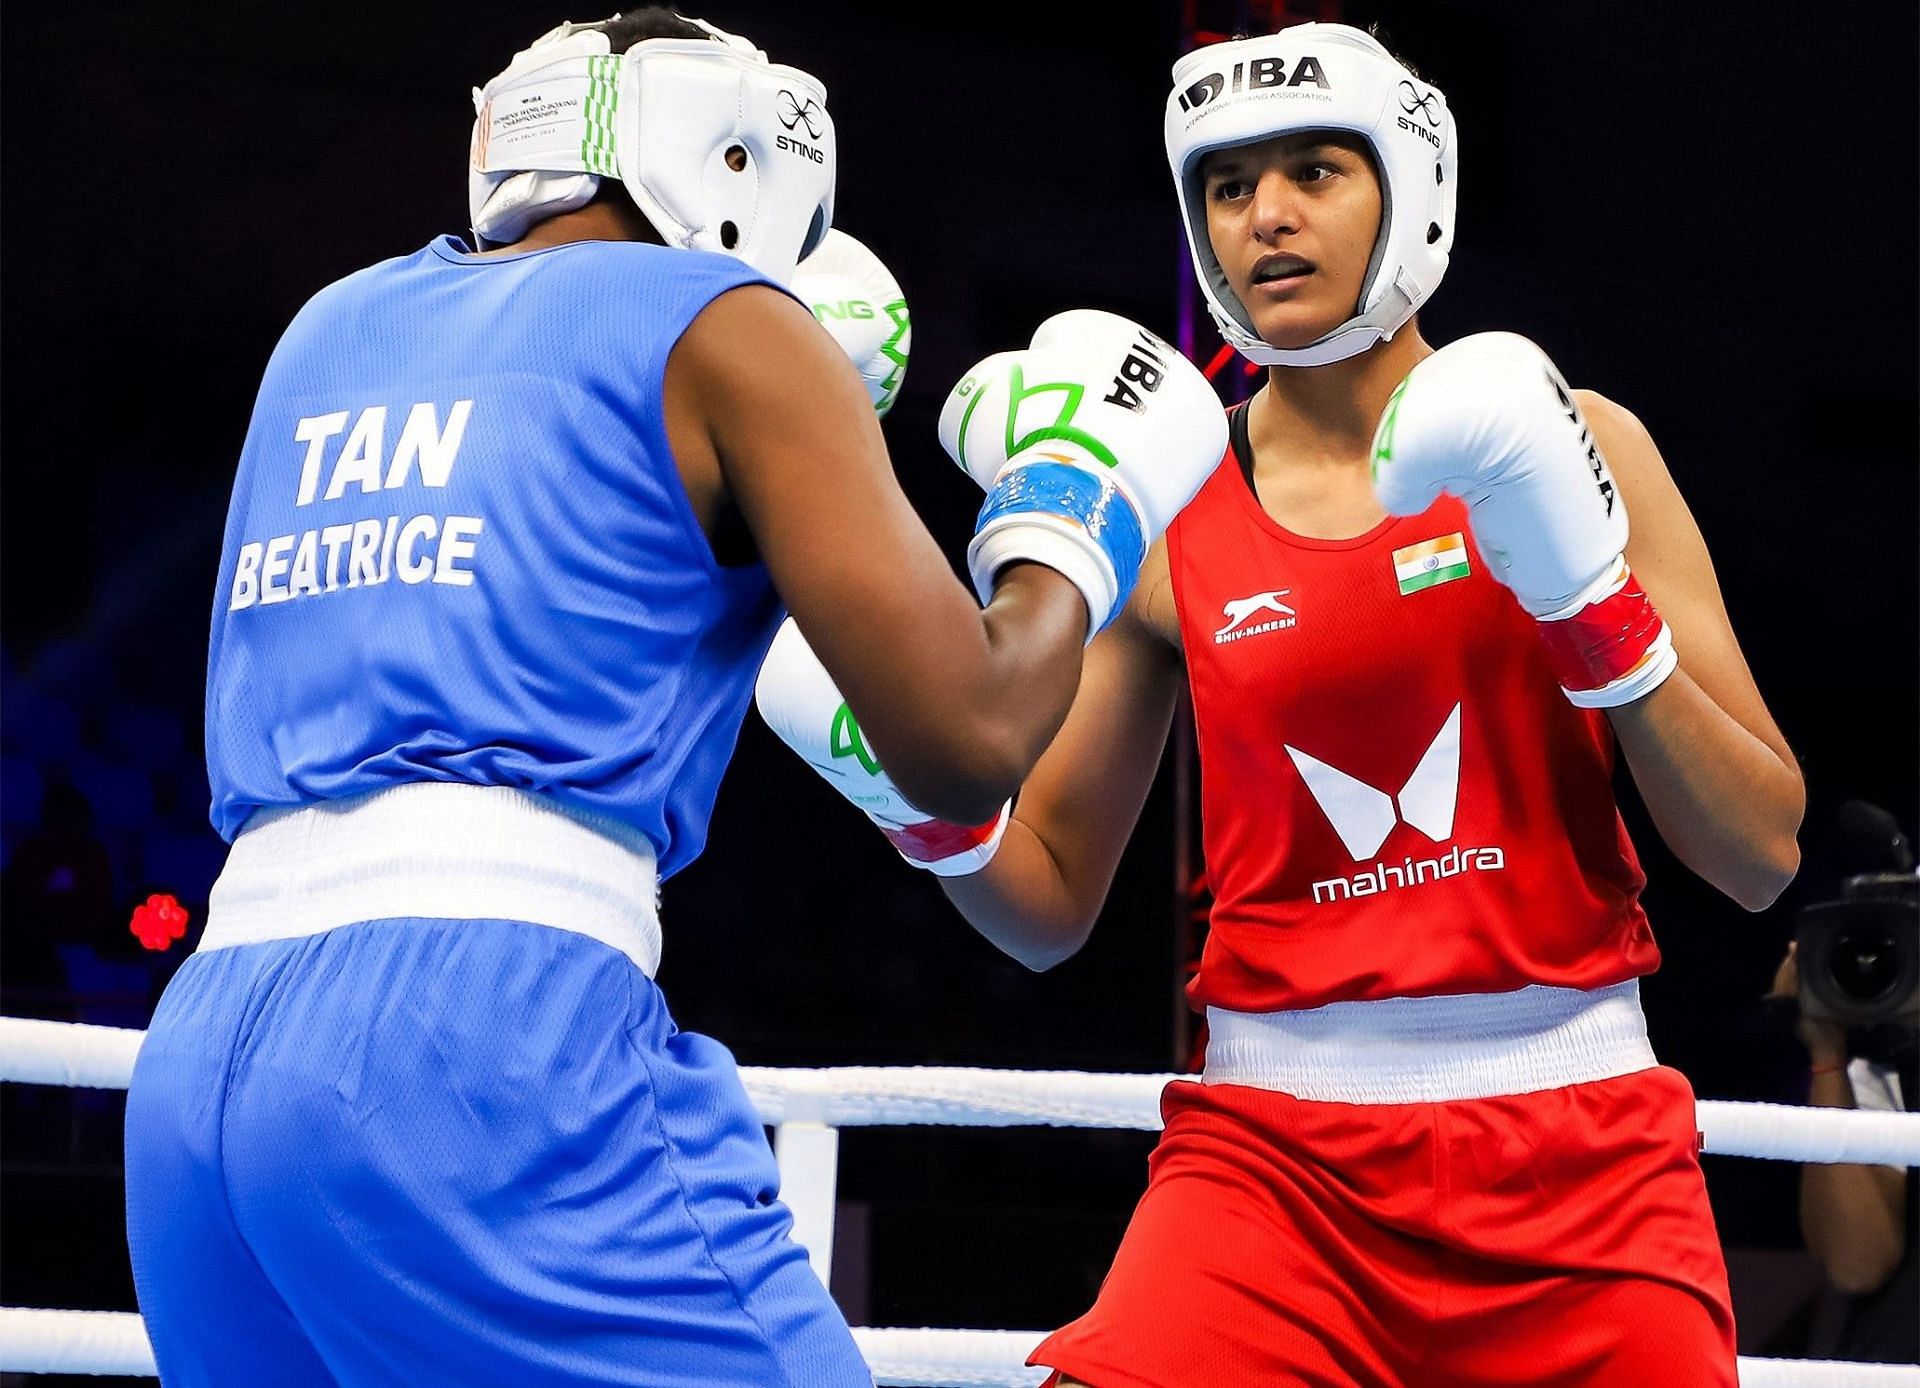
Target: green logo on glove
[890,349]
[1062,427]
[1383,436]
[846,740]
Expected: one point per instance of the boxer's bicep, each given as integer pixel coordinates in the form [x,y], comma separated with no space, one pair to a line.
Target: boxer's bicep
[800,454]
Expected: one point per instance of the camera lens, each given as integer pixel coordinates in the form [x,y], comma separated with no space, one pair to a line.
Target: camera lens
[1865,964]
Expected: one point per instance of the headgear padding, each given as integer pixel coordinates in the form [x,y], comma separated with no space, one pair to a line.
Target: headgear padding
[1321,77]
[661,117]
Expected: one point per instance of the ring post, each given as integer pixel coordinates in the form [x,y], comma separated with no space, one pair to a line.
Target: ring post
[808,1153]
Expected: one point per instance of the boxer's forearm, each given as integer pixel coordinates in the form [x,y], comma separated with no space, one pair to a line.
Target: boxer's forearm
[1022,903]
[1039,897]
[1724,801]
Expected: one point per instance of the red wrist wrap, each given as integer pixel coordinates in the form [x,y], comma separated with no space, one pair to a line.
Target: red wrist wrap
[1603,641]
[935,839]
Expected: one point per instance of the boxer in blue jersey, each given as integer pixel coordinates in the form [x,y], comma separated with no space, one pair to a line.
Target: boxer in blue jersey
[513,527]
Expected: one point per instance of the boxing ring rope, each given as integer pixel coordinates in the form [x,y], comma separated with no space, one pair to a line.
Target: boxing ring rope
[807,1108]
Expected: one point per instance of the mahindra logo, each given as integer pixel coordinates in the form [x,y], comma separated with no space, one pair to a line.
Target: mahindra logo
[1427,104]
[1240,611]
[793,111]
[1363,815]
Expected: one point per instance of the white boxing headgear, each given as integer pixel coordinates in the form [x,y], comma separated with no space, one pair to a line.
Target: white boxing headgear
[1321,77]
[670,118]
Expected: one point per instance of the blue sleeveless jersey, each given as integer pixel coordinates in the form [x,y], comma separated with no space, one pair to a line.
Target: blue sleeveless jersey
[459,548]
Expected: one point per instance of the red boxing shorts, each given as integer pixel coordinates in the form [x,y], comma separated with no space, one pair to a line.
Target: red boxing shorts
[1560,1237]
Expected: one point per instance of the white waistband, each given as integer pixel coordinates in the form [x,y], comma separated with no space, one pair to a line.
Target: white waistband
[443,850]
[1433,1050]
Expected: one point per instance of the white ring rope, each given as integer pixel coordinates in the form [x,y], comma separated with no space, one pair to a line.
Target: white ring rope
[73,1054]
[867,1096]
[855,1096]
[115,1342]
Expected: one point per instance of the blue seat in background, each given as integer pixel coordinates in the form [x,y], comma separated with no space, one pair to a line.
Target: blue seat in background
[184,863]
[35,724]
[149,738]
[20,790]
[108,992]
[121,795]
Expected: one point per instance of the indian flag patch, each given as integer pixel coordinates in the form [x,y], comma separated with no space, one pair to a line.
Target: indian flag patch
[1429,562]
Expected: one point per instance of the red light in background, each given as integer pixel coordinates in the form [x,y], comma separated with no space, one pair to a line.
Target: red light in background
[159,921]
[1218,364]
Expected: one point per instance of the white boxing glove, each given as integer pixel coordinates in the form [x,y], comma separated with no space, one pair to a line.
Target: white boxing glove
[856,299]
[1088,442]
[798,700]
[1490,420]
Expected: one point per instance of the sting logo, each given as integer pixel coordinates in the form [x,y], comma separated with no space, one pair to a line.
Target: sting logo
[1427,105]
[793,111]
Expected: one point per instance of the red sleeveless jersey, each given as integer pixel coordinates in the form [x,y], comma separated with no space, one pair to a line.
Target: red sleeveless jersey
[1397,800]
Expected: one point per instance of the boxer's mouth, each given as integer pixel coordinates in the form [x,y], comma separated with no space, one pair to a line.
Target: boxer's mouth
[1283,266]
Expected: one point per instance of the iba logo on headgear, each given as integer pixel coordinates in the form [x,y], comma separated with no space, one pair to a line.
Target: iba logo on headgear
[1254,76]
[792,111]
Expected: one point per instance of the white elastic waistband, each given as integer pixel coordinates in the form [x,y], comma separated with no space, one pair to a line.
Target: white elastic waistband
[1433,1050]
[443,850]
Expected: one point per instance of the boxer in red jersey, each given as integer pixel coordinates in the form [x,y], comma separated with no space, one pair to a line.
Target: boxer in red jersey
[1431,1145]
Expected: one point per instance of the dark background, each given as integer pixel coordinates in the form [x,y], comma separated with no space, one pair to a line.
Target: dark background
[1706,212]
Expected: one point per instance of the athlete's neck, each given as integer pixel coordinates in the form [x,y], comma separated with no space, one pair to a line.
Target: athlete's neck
[1328,413]
[603,219]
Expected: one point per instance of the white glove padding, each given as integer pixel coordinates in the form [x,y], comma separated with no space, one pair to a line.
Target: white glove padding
[799,701]
[1088,443]
[857,300]
[1490,420]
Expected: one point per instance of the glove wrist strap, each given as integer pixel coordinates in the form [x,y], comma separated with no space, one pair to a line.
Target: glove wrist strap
[949,850]
[1047,506]
[1612,648]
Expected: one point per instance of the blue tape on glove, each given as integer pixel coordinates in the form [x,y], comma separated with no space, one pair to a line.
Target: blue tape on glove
[1090,502]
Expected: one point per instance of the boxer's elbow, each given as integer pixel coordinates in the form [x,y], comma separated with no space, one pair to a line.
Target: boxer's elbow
[1059,919]
[1040,945]
[956,801]
[1042,951]
[964,777]
[1751,851]
[1765,871]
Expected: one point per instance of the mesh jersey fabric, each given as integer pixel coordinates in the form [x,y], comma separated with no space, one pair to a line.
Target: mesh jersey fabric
[457,1152]
[1397,800]
[459,548]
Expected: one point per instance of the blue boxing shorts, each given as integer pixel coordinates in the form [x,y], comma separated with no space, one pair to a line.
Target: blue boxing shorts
[460,1152]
